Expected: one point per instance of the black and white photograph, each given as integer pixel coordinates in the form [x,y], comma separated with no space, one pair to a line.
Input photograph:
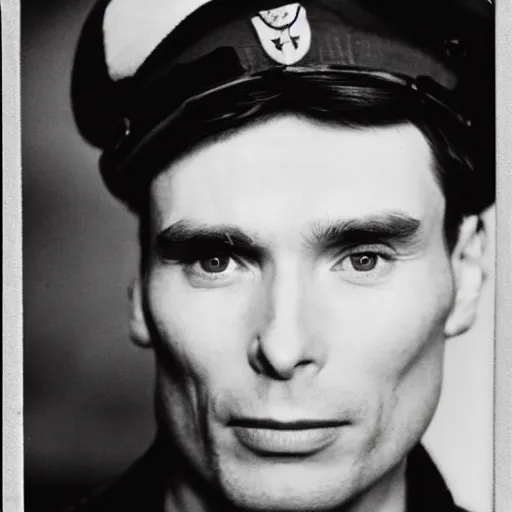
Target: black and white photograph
[259,255]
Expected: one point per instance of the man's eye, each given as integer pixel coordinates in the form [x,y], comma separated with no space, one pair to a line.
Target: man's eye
[215,265]
[214,268]
[365,267]
[364,262]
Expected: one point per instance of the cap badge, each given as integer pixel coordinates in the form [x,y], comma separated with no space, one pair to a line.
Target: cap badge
[284,33]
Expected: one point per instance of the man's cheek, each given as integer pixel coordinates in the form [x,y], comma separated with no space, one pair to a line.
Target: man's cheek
[193,316]
[403,347]
[394,345]
[203,332]
[406,370]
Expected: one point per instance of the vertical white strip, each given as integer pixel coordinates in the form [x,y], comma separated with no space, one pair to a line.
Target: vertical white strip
[11,261]
[503,364]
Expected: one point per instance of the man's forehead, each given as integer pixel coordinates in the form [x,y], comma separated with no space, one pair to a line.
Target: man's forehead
[289,172]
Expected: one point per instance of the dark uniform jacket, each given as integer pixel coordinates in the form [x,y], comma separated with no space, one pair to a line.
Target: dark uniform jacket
[142,487]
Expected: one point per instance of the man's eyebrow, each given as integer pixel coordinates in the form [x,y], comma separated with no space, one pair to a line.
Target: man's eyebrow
[392,226]
[186,232]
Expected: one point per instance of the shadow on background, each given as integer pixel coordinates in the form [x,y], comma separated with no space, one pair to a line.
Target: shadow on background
[87,390]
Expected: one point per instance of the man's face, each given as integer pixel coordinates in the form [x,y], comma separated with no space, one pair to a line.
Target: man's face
[297,290]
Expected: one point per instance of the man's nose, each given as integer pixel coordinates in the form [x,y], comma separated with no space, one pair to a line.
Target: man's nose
[287,338]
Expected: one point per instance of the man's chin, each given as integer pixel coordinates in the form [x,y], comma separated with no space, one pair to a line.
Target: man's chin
[285,484]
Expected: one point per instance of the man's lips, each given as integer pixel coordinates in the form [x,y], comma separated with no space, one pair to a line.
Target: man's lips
[284,425]
[281,438]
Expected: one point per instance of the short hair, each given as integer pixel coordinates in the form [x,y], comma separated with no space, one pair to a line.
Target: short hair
[355,100]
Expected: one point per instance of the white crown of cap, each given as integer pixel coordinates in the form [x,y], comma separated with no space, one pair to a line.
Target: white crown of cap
[132,29]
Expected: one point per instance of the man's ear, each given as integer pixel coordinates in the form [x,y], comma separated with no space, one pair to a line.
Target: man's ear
[469,275]
[139,331]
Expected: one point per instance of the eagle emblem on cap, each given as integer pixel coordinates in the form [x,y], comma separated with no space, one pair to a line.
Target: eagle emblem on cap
[284,33]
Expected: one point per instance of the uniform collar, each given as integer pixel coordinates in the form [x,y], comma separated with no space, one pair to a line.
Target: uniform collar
[425,487]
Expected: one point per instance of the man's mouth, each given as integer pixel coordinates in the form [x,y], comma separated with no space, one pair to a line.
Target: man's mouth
[269,437]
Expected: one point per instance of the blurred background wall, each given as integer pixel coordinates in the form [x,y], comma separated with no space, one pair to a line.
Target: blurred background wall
[88,390]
